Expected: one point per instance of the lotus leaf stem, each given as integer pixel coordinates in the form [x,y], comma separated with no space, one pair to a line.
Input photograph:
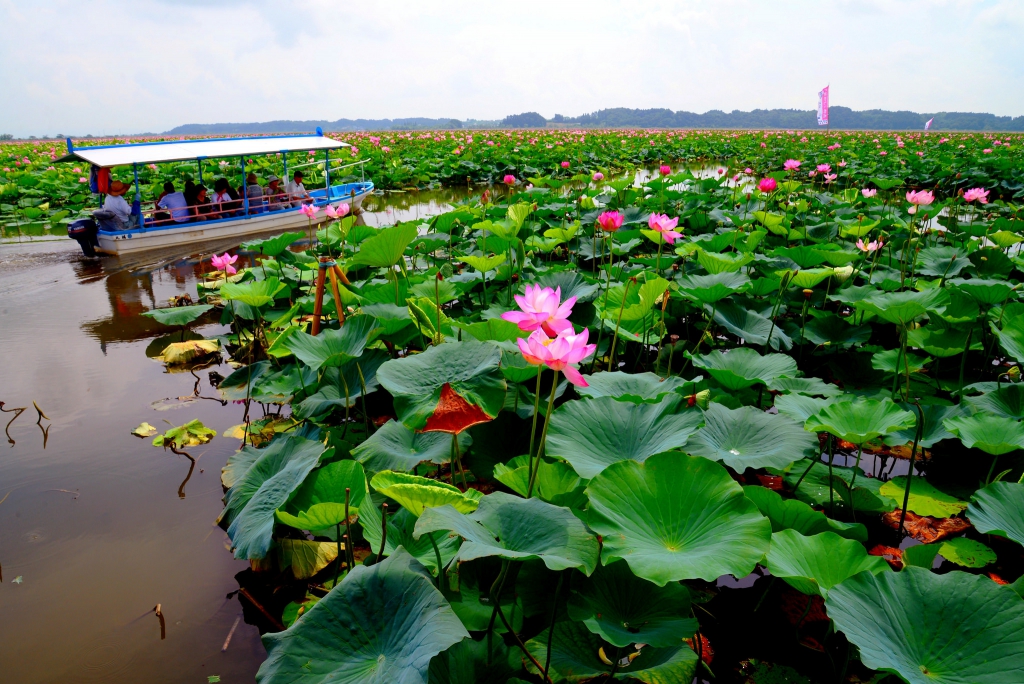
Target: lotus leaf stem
[910,470]
[533,429]
[384,531]
[543,436]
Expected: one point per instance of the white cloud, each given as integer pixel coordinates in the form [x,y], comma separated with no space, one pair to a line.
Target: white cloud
[107,67]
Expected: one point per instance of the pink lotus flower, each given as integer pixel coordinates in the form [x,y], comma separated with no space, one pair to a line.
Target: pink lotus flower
[223,263]
[977,194]
[83,179]
[565,165]
[824,168]
[542,309]
[385,149]
[610,221]
[77,170]
[665,169]
[986,151]
[661,223]
[869,247]
[309,210]
[331,212]
[920,197]
[748,170]
[791,165]
[558,354]
[869,192]
[767,185]
[829,177]
[598,176]
[509,180]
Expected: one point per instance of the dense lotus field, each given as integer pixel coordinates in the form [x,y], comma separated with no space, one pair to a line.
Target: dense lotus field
[38,197]
[587,427]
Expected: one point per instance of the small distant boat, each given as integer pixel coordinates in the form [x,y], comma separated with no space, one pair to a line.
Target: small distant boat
[147,229]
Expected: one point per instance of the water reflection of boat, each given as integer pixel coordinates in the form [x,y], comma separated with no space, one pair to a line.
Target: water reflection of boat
[151,229]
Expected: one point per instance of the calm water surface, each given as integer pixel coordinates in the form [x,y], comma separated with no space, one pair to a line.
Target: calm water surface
[96,528]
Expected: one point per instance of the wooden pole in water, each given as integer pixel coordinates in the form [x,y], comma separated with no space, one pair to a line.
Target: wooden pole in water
[318,305]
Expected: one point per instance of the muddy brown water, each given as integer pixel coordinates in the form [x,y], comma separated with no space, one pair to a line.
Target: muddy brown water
[93,531]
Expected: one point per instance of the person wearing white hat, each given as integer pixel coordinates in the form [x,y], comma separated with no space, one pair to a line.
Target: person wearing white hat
[274,194]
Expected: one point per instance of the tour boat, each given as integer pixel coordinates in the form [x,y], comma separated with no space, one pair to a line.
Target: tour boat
[148,230]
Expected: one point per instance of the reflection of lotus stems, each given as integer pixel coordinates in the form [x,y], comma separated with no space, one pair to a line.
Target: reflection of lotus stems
[910,470]
[543,436]
[853,481]
[618,322]
[533,429]
[181,487]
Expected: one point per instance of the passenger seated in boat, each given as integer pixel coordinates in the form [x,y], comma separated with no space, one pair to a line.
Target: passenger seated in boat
[116,203]
[162,216]
[254,192]
[176,203]
[275,195]
[296,192]
[220,201]
[203,207]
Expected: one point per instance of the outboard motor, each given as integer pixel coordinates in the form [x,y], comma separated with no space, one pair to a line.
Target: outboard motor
[84,231]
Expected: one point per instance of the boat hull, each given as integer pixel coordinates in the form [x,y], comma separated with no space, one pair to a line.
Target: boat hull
[128,241]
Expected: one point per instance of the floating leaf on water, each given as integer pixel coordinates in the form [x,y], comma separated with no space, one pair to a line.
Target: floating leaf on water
[177,315]
[192,433]
[144,430]
[924,498]
[967,553]
[189,350]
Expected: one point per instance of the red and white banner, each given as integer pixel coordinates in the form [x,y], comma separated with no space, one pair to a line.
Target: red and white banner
[823,107]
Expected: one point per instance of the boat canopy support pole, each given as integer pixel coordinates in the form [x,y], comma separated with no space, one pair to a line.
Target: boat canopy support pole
[138,196]
[327,175]
[284,156]
[245,189]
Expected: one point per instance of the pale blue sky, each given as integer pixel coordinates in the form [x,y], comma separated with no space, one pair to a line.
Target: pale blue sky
[98,66]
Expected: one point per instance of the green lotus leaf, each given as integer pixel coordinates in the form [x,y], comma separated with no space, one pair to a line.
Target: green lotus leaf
[676,517]
[571,283]
[723,263]
[593,434]
[385,249]
[333,347]
[472,601]
[961,309]
[984,291]
[494,330]
[447,388]
[177,315]
[708,289]
[517,529]
[238,464]
[942,341]
[967,553]
[803,256]
[556,482]
[468,662]
[860,420]
[1011,337]
[892,361]
[865,494]
[742,367]
[415,493]
[623,609]
[633,387]
[319,502]
[255,293]
[835,331]
[192,433]
[401,526]
[1007,401]
[357,635]
[934,429]
[750,438]
[304,557]
[920,555]
[799,407]
[791,514]
[391,319]
[750,325]
[815,564]
[925,499]
[485,263]
[942,261]
[807,277]
[932,629]
[396,447]
[250,504]
[342,385]
[996,435]
[812,387]
[999,509]
[575,658]
[902,308]
[274,245]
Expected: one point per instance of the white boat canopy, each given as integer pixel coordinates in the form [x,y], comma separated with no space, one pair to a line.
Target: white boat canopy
[180,150]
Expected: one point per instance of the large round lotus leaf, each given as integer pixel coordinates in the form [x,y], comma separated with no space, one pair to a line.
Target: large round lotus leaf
[1011,337]
[924,498]
[255,293]
[554,481]
[813,565]
[178,315]
[676,517]
[623,609]
[385,247]
[999,509]
[319,502]
[799,407]
[1006,401]
[708,289]
[934,427]
[791,514]
[382,623]
[447,388]
[811,387]
[576,657]
[514,528]
[593,434]
[984,291]
[415,493]
[749,325]
[835,331]
[860,420]
[333,347]
[401,525]
[996,435]
[748,438]
[743,367]
[967,553]
[634,387]
[902,308]
[942,261]
[274,245]
[249,506]
[932,629]
[571,283]
[397,447]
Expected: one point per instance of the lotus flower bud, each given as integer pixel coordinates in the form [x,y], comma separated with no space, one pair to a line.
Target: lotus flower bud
[1014,373]
[842,273]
